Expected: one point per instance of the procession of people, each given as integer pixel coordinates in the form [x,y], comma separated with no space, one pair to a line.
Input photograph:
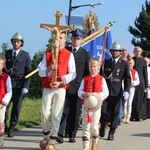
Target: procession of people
[75,85]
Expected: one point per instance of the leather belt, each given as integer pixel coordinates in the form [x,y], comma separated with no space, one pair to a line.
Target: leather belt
[15,79]
[114,79]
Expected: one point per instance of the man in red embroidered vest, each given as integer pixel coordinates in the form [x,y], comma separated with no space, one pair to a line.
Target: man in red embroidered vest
[93,84]
[53,97]
[5,96]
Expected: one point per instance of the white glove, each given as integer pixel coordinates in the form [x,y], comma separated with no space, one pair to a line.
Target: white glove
[24,91]
[125,95]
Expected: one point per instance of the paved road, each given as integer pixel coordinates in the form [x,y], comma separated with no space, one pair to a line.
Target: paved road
[135,136]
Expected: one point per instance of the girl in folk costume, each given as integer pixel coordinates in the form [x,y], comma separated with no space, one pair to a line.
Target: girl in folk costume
[134,82]
[5,96]
[93,90]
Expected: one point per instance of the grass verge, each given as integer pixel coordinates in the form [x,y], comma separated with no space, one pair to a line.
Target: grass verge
[30,113]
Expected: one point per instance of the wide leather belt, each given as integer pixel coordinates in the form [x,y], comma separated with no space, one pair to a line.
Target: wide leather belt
[114,79]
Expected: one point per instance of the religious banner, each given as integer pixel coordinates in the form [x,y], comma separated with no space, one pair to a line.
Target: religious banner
[99,45]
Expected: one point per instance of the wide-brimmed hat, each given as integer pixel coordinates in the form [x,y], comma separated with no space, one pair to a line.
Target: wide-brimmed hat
[94,102]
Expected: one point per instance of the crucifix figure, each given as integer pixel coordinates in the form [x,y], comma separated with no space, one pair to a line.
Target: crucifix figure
[56,30]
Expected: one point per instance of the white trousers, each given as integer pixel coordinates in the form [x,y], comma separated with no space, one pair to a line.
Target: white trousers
[2,116]
[128,103]
[90,129]
[52,103]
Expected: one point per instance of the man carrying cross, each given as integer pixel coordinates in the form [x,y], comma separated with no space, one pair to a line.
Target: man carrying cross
[62,63]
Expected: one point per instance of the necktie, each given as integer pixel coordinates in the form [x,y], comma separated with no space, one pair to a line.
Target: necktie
[14,56]
[74,51]
[113,63]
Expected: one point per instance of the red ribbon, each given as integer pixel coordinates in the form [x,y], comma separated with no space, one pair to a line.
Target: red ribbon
[0,126]
[89,118]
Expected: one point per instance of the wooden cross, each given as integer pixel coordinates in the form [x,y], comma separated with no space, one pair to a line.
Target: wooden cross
[56,30]
[61,28]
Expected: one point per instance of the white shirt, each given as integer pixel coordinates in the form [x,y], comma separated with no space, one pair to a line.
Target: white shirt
[17,51]
[66,78]
[77,48]
[116,59]
[104,93]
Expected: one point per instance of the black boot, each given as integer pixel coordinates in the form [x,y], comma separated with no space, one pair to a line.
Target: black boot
[102,131]
[10,132]
[111,134]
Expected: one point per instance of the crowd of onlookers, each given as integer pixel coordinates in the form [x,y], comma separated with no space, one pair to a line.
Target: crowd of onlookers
[141,73]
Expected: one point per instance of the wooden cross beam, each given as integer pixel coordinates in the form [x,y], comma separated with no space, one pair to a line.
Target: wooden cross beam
[56,30]
[61,28]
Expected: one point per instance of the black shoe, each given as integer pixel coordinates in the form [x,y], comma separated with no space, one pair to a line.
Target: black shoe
[119,123]
[10,132]
[72,140]
[131,119]
[66,135]
[59,140]
[111,137]
[102,131]
[111,134]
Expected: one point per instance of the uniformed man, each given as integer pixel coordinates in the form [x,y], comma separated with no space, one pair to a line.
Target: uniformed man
[18,64]
[72,109]
[114,71]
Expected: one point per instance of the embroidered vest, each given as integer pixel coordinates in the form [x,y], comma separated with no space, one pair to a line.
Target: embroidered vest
[92,84]
[3,88]
[63,58]
[133,72]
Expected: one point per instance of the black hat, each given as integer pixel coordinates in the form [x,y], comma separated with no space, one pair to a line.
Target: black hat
[77,33]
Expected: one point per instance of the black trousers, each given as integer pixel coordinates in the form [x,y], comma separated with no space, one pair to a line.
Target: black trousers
[63,127]
[70,117]
[111,108]
[16,101]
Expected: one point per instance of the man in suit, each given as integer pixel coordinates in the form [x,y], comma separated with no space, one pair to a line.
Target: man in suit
[72,108]
[114,71]
[18,64]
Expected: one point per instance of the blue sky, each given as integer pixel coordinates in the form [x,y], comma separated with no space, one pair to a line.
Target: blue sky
[26,16]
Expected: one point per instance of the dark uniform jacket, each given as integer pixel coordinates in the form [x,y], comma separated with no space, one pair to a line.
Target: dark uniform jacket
[114,76]
[18,69]
[82,63]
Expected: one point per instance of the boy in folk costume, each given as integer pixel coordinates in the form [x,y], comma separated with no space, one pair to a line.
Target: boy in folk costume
[134,82]
[5,96]
[53,97]
[92,85]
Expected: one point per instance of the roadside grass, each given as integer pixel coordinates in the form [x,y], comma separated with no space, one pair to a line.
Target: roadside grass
[30,113]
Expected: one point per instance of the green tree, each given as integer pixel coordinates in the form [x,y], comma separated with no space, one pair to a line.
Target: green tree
[4,47]
[141,32]
[35,90]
